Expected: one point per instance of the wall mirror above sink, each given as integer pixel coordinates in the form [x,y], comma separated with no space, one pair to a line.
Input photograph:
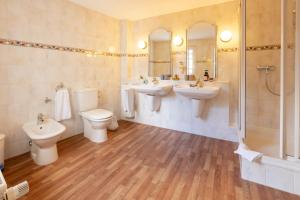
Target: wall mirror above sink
[201,52]
[160,58]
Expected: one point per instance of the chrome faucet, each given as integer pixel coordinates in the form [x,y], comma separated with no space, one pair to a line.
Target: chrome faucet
[154,81]
[40,119]
[199,83]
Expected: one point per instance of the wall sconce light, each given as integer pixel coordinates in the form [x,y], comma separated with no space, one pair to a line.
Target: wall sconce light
[226,36]
[112,49]
[178,41]
[142,44]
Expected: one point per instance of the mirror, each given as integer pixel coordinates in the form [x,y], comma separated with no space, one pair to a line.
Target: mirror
[160,53]
[201,50]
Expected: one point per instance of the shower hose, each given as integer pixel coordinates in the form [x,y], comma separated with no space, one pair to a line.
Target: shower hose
[268,86]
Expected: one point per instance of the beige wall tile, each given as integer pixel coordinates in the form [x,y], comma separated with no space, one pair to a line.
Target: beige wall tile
[30,74]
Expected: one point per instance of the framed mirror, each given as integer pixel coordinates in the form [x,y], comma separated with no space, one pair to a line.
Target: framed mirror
[160,62]
[201,52]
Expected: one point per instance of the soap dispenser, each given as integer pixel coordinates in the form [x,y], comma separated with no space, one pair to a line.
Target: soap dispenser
[206,75]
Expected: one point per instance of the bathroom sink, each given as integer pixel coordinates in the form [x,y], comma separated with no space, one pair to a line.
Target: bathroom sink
[198,95]
[154,90]
[206,92]
[49,128]
[153,93]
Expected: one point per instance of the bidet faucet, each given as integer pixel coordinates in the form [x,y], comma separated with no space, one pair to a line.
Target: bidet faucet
[40,119]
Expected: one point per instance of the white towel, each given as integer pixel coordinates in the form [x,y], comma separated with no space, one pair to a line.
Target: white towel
[62,105]
[128,102]
[114,124]
[247,154]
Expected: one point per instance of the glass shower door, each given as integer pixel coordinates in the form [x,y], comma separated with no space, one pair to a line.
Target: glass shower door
[263,25]
[289,73]
[269,73]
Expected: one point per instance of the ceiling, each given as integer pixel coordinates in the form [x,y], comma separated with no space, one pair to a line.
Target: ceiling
[140,9]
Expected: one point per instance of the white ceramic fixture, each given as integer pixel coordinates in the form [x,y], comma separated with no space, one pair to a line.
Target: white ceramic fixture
[198,95]
[154,93]
[44,137]
[95,120]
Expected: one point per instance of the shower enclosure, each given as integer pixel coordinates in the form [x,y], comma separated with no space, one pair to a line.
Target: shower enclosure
[270,77]
[270,92]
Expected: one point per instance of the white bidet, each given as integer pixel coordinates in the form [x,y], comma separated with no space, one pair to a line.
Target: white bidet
[44,137]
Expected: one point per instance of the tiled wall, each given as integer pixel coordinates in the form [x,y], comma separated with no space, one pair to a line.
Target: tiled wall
[225,16]
[28,75]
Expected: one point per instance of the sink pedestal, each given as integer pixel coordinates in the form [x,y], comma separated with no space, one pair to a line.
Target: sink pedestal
[44,156]
[198,95]
[198,107]
[154,102]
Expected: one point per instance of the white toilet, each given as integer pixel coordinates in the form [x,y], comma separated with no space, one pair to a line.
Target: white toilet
[95,120]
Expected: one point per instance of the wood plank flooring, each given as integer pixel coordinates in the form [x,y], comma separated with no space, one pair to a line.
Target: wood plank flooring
[140,162]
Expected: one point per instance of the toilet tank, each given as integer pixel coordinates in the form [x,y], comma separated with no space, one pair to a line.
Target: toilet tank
[87,99]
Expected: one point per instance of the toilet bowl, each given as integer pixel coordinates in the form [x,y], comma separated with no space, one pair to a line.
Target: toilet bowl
[95,124]
[44,138]
[95,121]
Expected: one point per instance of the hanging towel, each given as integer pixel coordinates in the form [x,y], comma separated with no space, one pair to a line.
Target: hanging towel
[247,154]
[114,124]
[62,105]
[128,102]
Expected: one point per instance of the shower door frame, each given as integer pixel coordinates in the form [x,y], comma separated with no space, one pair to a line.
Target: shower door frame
[297,84]
[242,105]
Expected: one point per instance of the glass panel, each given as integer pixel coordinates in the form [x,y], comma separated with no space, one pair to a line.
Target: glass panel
[263,25]
[290,75]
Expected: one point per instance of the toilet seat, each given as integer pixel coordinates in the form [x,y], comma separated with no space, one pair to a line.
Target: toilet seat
[97,115]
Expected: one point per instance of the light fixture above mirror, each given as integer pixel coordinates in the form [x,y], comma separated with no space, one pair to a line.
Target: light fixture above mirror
[178,41]
[142,44]
[226,36]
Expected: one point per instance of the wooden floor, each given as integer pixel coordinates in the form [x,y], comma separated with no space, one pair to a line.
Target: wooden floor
[140,162]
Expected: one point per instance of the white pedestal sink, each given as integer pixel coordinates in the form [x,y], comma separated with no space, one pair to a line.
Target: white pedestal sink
[154,93]
[198,95]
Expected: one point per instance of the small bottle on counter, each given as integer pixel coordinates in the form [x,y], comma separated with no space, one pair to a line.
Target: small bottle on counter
[206,75]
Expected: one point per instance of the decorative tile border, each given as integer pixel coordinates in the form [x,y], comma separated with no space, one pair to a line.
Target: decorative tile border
[87,52]
[262,48]
[90,52]
[137,55]
[159,61]
[178,52]
[225,50]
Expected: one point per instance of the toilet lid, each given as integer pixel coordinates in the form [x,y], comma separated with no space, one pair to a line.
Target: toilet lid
[97,114]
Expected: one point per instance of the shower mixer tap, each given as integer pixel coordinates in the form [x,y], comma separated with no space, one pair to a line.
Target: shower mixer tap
[265,68]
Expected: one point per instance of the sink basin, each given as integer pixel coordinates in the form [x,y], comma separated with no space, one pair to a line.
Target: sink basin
[206,92]
[154,90]
[199,96]
[48,129]
[154,93]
